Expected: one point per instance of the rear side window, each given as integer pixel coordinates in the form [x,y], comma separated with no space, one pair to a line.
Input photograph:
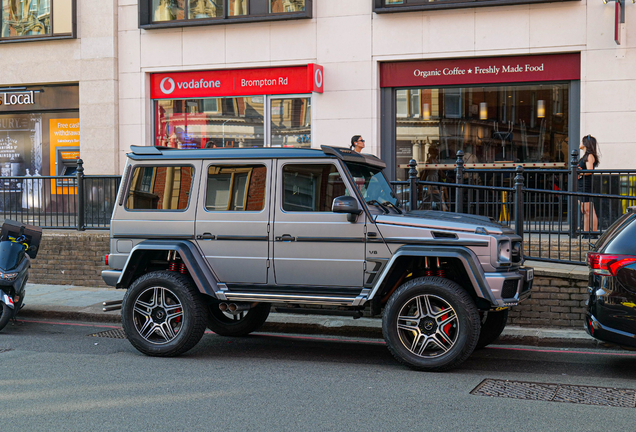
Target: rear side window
[160,188]
[619,238]
[236,188]
[311,187]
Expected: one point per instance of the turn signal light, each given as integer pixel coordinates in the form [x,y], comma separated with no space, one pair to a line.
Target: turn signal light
[608,265]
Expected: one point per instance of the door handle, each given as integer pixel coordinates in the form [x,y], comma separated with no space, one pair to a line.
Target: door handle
[286,238]
[205,236]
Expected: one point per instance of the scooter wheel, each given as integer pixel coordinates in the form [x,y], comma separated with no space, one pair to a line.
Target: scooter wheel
[6,315]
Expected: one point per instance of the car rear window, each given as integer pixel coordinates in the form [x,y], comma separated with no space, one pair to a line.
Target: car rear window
[619,238]
[160,188]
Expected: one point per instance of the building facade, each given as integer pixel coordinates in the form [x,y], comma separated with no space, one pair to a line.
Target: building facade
[506,82]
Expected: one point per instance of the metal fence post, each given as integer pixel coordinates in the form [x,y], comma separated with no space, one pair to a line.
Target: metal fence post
[573,208]
[413,187]
[459,179]
[80,195]
[519,201]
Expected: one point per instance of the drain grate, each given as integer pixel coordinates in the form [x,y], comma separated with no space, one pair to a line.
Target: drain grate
[3,350]
[600,396]
[113,334]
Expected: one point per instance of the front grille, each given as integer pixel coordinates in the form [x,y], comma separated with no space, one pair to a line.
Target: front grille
[509,289]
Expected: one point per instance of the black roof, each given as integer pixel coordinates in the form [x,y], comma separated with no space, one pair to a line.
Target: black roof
[150,152]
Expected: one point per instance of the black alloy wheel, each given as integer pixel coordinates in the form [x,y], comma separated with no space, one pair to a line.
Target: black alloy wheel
[431,324]
[241,324]
[492,324]
[163,314]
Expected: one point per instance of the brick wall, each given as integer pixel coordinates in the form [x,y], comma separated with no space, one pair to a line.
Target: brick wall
[557,301]
[70,258]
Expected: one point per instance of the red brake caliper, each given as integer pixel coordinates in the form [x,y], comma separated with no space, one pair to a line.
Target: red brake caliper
[446,328]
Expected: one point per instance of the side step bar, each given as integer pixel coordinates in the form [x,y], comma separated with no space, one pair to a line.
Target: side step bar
[296,298]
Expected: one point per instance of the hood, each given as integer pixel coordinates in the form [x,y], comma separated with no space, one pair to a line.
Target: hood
[444,220]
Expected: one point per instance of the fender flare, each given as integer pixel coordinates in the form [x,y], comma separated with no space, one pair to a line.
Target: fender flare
[6,299]
[464,255]
[202,275]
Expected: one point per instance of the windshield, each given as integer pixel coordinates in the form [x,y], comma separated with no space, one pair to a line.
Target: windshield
[373,185]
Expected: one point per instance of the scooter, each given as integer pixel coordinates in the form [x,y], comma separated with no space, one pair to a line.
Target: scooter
[19,244]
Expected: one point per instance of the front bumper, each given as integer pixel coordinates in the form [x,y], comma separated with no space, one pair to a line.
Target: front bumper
[512,287]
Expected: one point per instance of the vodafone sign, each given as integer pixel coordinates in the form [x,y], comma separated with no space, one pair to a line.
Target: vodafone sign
[481,70]
[237,82]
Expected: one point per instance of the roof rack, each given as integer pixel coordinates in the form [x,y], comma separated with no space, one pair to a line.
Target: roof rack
[349,155]
[149,150]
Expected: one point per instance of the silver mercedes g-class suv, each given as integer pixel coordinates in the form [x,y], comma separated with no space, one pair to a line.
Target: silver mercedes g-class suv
[214,237]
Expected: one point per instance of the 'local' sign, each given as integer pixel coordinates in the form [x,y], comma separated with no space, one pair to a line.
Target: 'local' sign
[20,98]
[481,70]
[237,82]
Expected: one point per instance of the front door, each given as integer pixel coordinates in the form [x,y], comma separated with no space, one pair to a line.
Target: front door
[312,245]
[232,224]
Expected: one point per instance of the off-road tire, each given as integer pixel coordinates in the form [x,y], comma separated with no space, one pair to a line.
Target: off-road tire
[492,324]
[6,312]
[149,294]
[240,325]
[437,336]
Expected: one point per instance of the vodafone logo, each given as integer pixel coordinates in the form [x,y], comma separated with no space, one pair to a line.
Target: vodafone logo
[318,78]
[170,82]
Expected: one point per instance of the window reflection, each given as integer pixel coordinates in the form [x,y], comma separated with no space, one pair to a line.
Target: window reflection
[210,123]
[283,6]
[205,9]
[291,122]
[168,10]
[237,7]
[507,124]
[26,17]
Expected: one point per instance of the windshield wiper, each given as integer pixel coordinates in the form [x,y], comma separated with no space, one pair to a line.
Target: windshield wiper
[379,204]
[389,203]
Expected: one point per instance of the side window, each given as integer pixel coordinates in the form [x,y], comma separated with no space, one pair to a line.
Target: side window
[160,188]
[236,188]
[311,187]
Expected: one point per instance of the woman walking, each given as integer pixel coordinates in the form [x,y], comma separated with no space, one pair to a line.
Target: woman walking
[589,161]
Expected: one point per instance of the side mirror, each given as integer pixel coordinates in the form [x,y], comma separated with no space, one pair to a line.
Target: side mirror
[346,204]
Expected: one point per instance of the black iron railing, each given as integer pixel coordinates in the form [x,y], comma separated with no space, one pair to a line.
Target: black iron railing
[60,202]
[542,205]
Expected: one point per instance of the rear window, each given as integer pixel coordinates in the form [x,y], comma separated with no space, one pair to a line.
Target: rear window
[619,238]
[160,188]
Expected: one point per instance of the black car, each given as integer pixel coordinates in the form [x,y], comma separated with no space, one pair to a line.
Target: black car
[611,310]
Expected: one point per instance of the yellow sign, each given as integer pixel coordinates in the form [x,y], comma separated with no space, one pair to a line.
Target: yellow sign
[63,133]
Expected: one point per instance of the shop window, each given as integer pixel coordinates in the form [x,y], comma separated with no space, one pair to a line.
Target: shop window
[290,122]
[506,125]
[37,19]
[311,187]
[163,13]
[233,122]
[160,188]
[388,6]
[236,188]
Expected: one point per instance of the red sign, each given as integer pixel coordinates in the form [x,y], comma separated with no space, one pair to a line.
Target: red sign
[237,82]
[481,70]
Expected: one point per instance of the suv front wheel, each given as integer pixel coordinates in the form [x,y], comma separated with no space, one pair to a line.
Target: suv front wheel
[431,324]
[163,314]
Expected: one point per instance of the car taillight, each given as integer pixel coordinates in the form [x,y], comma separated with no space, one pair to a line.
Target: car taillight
[608,265]
[106,259]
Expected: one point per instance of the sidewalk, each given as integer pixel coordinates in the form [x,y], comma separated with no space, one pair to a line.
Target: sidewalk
[67,302]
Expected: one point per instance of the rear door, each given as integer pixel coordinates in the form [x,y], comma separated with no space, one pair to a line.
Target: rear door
[232,222]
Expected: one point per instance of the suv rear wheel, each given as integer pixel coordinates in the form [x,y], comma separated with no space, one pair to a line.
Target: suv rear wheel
[162,314]
[431,324]
[241,324]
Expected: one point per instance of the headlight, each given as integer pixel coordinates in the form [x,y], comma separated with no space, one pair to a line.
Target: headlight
[516,252]
[503,254]
[8,276]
